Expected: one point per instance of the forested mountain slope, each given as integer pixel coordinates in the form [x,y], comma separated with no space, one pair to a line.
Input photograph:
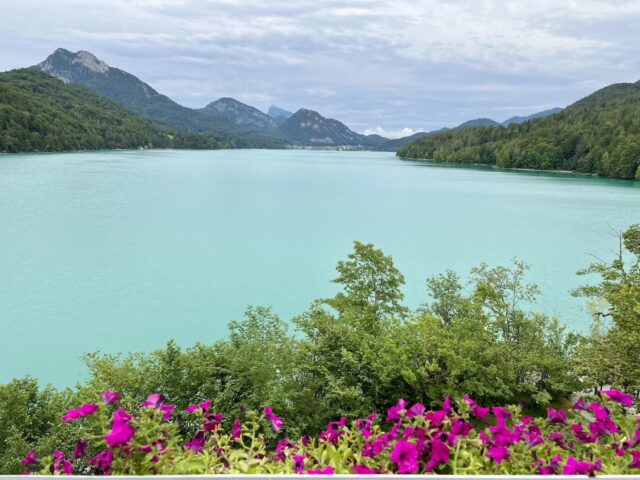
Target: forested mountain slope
[599,134]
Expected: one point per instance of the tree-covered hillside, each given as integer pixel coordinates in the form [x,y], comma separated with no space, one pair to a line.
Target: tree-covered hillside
[40,113]
[599,134]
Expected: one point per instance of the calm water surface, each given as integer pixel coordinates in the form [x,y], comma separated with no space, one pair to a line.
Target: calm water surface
[120,251]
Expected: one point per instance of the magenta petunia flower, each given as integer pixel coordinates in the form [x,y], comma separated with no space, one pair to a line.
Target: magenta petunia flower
[405,456]
[61,465]
[153,401]
[635,462]
[397,412]
[416,411]
[121,430]
[556,416]
[109,397]
[576,467]
[30,458]
[237,429]
[194,445]
[298,464]
[446,406]
[480,412]
[501,414]
[498,454]
[103,461]
[81,449]
[439,455]
[204,406]
[362,470]
[619,397]
[461,427]
[156,401]
[276,421]
[324,471]
[83,411]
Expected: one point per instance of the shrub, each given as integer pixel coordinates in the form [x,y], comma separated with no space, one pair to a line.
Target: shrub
[599,436]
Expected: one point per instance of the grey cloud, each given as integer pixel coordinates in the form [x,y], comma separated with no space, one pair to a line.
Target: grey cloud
[382,65]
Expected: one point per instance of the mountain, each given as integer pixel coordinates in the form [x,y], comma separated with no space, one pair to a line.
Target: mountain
[279,114]
[599,134]
[41,113]
[396,144]
[478,122]
[542,114]
[241,115]
[307,127]
[84,68]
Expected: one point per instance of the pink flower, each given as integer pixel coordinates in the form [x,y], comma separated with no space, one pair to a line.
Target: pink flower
[556,416]
[153,401]
[619,397]
[405,456]
[435,417]
[326,471]
[575,467]
[362,470]
[579,405]
[501,414]
[81,449]
[397,412]
[298,463]
[121,430]
[237,429]
[60,464]
[109,397]
[552,468]
[196,445]
[461,427]
[156,401]
[416,411]
[276,421]
[103,461]
[446,406]
[30,458]
[204,406]
[439,455]
[635,462]
[83,411]
[498,454]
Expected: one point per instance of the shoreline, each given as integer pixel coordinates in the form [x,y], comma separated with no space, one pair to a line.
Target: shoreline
[510,169]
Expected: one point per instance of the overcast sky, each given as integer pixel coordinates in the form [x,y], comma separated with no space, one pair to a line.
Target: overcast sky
[387,66]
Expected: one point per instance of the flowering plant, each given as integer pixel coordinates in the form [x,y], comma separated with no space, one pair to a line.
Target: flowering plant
[462,437]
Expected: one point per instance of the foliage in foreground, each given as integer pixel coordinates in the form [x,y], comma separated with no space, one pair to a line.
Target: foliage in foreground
[461,438]
[360,350]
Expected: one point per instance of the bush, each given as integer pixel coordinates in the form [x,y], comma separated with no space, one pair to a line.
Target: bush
[459,438]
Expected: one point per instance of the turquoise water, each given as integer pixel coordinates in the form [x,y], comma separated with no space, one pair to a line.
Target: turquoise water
[120,251]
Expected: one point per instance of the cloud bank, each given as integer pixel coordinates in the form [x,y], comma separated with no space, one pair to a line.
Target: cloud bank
[376,65]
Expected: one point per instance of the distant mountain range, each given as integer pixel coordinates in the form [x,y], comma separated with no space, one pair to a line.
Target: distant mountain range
[398,143]
[229,121]
[225,116]
[599,134]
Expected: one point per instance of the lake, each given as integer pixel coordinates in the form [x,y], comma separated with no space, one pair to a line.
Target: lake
[120,251]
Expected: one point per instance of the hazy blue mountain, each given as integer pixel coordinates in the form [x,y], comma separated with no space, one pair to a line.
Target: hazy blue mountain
[277,112]
[240,114]
[396,144]
[542,114]
[307,127]
[84,68]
